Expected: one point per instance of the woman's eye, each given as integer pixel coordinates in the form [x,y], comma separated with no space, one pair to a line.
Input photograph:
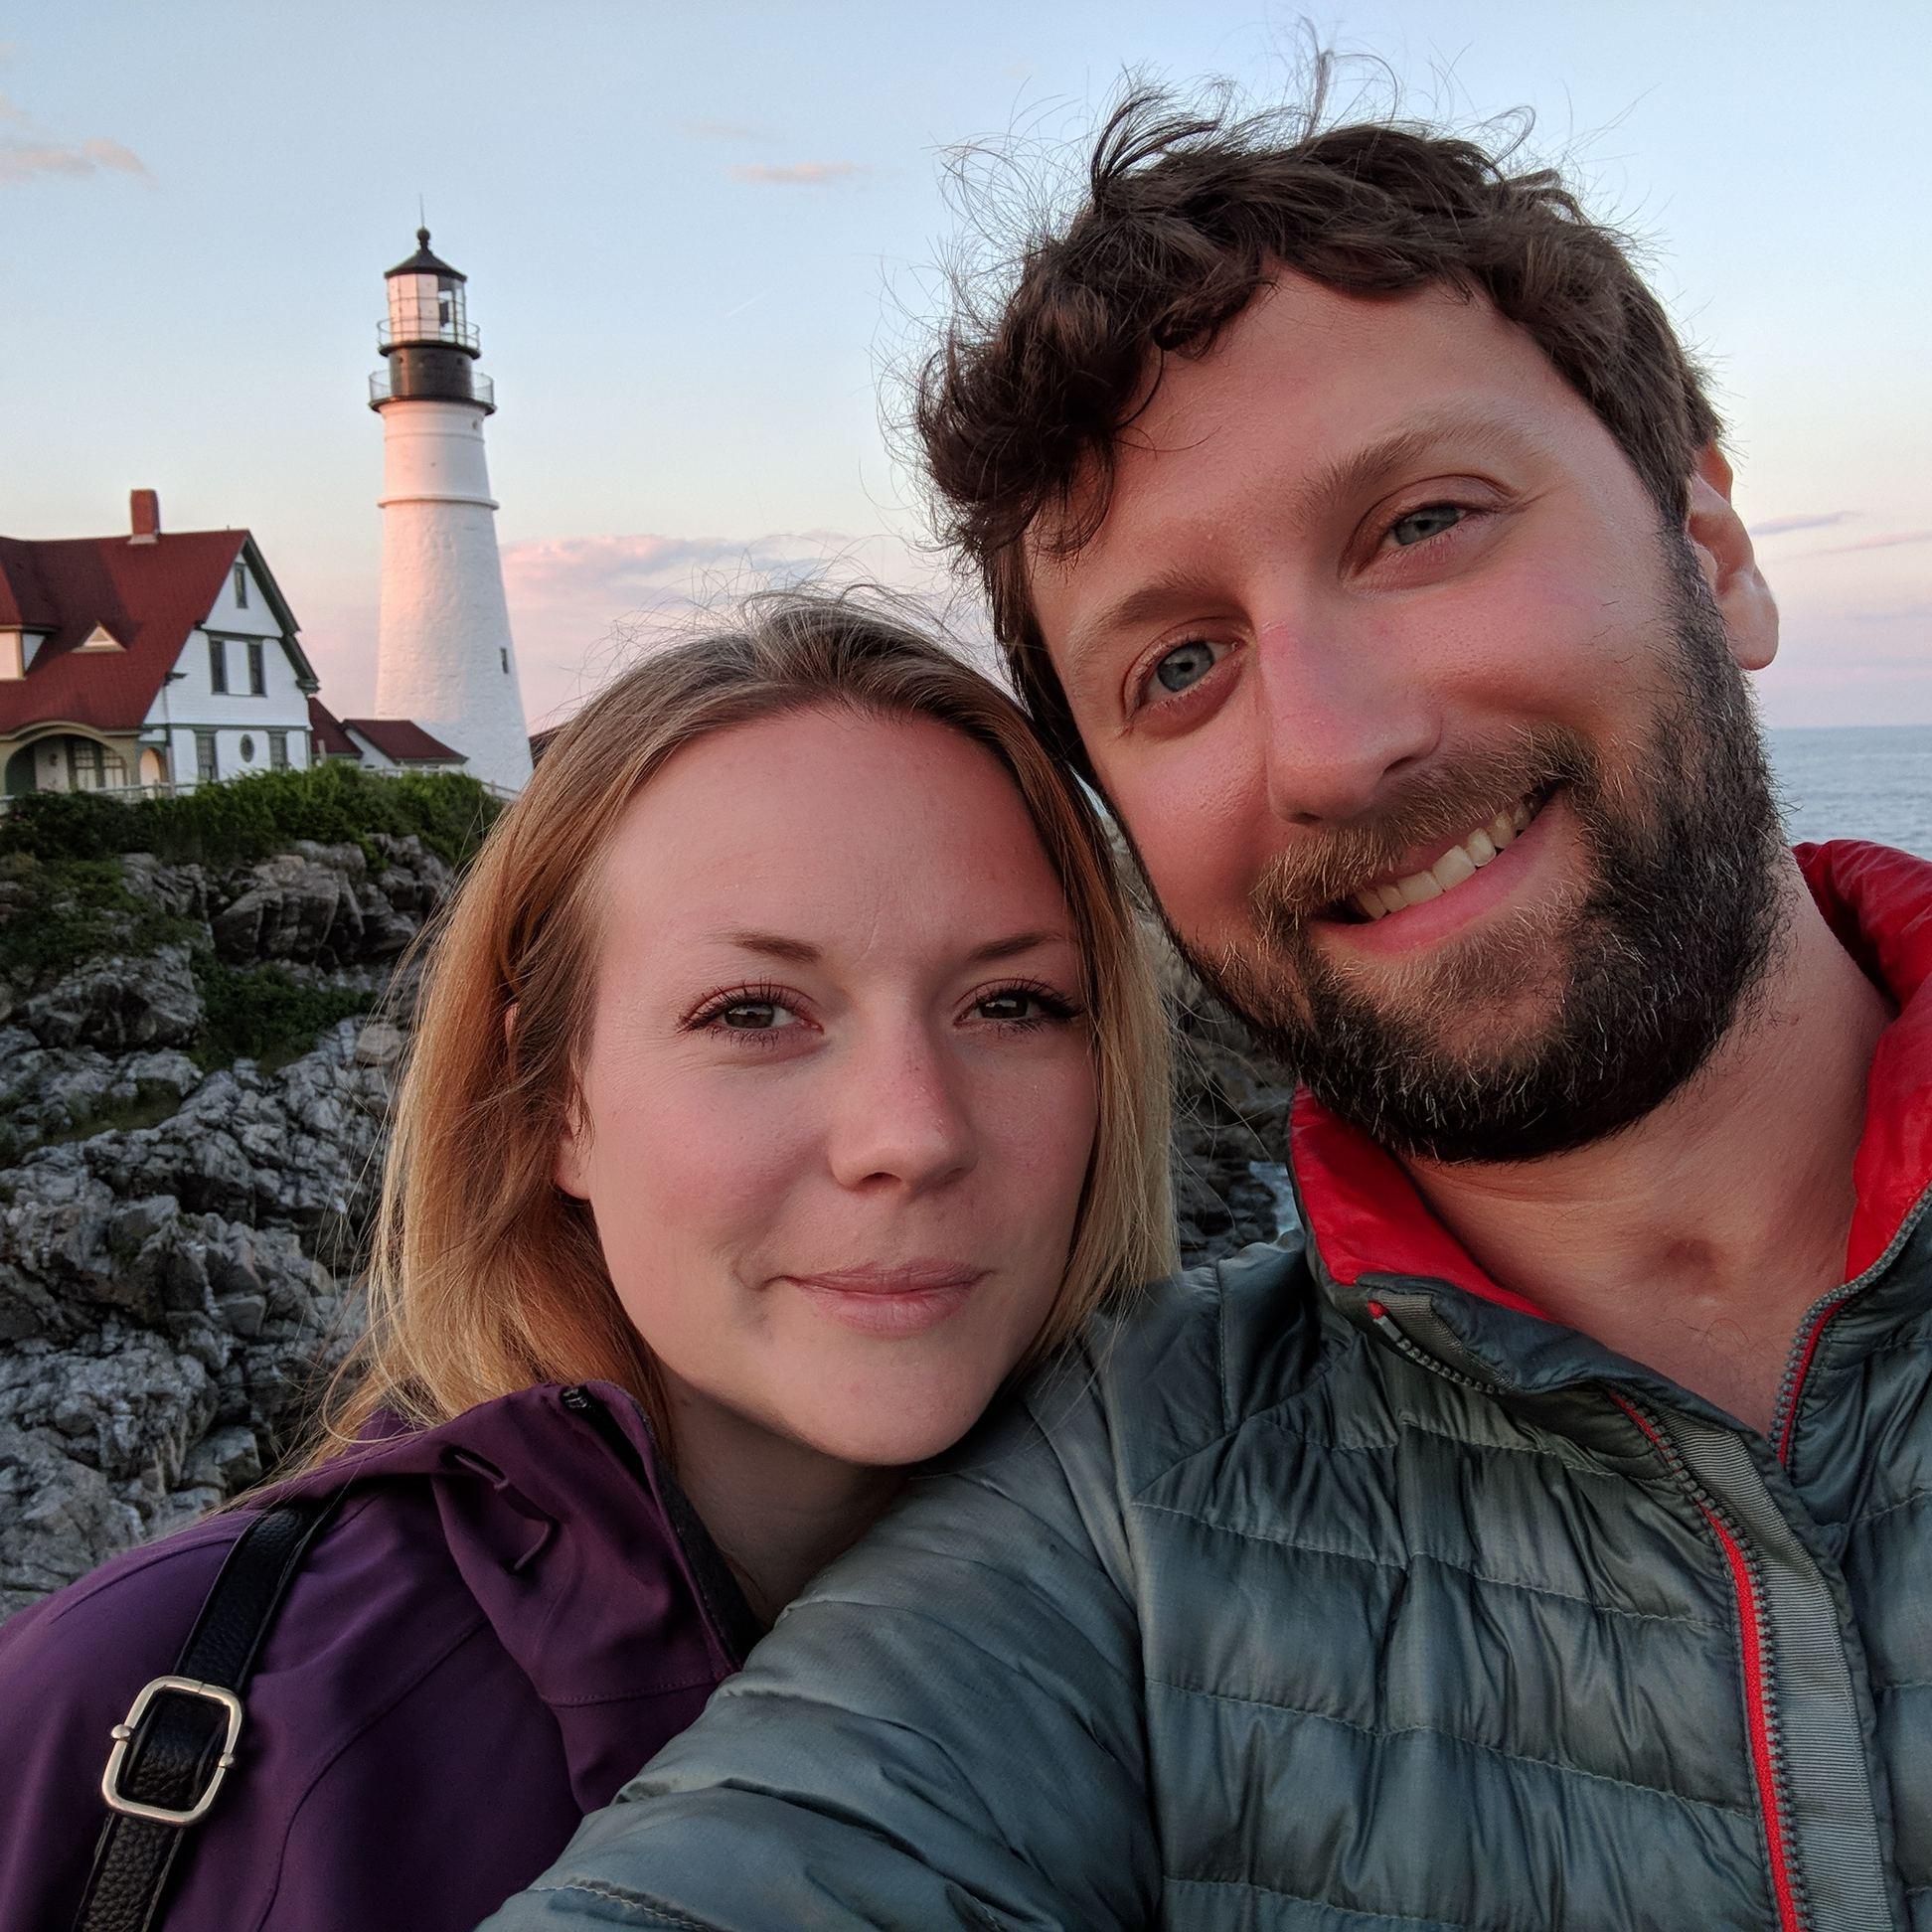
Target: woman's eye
[1008,1006]
[1429,521]
[754,1016]
[1187,663]
[1021,1006]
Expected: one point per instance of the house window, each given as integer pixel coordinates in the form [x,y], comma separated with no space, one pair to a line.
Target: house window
[277,750]
[257,677]
[242,586]
[218,665]
[248,748]
[205,771]
[84,765]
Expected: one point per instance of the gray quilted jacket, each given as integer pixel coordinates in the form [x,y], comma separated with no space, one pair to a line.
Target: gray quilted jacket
[1338,1591]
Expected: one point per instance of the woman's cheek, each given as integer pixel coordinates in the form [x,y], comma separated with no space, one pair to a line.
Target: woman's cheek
[687,1175]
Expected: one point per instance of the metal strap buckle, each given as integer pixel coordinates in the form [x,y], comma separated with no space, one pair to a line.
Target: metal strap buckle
[123,1733]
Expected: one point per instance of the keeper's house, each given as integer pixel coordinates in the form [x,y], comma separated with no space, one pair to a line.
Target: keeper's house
[146,660]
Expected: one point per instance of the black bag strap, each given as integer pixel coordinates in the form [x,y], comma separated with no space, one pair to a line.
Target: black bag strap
[177,1741]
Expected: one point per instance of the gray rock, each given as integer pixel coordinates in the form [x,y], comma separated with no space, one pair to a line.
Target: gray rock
[225,1461]
[181,892]
[119,1003]
[380,1044]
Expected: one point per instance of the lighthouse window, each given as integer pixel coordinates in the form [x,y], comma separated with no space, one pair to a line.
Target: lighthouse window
[504,654]
[218,665]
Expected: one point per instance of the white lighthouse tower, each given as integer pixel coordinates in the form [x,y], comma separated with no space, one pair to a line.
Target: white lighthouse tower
[443,653]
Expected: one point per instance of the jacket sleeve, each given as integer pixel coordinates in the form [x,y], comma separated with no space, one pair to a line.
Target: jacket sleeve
[946,1730]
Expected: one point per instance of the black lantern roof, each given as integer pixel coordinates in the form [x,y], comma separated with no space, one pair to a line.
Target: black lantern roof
[423,262]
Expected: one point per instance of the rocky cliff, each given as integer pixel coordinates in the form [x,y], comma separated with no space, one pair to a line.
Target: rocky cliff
[177,1221]
[193,1118]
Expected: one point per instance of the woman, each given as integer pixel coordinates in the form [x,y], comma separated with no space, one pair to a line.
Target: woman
[787,1076]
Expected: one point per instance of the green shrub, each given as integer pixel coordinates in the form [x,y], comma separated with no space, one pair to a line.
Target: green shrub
[258,1013]
[245,819]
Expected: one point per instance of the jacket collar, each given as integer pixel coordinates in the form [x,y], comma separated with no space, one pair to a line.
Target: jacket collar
[561,1520]
[1365,1218]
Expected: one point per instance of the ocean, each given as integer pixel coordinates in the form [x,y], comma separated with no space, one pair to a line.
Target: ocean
[1858,781]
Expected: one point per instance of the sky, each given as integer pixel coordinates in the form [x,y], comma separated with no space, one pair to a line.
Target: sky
[705,243]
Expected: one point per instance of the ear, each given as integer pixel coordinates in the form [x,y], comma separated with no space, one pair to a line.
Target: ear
[1724,550]
[568,1168]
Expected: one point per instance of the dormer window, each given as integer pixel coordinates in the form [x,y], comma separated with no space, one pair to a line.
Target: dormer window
[242,587]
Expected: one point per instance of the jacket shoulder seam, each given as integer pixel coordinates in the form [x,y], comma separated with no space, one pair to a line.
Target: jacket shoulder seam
[348,1738]
[1232,1425]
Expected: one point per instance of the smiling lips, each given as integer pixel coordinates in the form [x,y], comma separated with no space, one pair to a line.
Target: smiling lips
[1459,862]
[903,1300]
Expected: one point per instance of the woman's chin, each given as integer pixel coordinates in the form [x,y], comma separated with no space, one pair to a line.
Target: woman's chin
[886,1435]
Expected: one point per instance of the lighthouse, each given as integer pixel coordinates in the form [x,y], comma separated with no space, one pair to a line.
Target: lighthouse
[444,658]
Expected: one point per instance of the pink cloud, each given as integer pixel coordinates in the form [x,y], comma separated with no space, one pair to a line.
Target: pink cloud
[1890,542]
[32,156]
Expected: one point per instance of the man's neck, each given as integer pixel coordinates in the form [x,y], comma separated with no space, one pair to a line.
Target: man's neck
[1695,1241]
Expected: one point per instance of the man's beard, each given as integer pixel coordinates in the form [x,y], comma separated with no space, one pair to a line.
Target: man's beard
[1674,926]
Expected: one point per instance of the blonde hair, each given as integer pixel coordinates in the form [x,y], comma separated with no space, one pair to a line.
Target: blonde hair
[486,1277]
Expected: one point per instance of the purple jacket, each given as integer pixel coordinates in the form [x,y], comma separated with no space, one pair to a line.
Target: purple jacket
[508,1615]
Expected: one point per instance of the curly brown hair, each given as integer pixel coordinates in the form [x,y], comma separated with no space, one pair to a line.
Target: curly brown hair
[1186,216]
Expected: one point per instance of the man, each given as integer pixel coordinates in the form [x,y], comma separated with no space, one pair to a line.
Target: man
[1542,1542]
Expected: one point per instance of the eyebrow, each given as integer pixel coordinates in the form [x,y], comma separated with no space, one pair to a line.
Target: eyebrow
[801,952]
[1172,587]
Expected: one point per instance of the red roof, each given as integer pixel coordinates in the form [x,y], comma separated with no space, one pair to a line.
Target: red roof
[149,597]
[330,741]
[401,740]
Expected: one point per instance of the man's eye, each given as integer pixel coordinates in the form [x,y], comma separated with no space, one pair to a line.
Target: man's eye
[1430,521]
[1185,665]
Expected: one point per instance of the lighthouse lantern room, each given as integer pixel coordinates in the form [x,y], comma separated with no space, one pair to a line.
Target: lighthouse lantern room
[444,656]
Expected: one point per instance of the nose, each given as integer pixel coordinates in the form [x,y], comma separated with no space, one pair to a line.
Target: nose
[901,1118]
[1339,717]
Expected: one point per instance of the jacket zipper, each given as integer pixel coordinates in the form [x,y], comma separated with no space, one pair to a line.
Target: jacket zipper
[1388,1325]
[1760,1694]
[1810,1331]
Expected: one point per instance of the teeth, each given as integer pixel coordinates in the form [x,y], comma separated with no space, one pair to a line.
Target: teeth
[1456,865]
